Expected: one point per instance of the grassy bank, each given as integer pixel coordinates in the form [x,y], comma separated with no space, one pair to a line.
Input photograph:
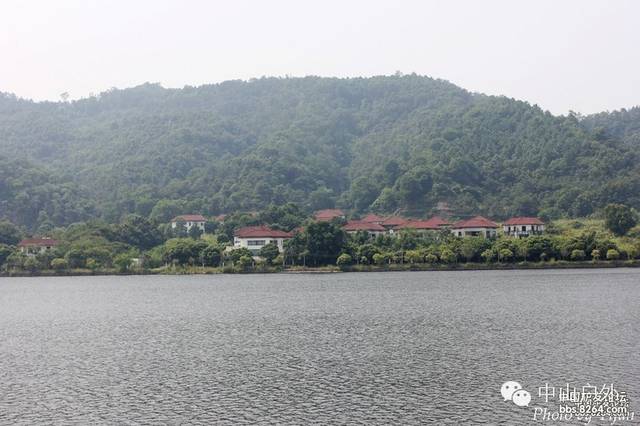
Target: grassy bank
[194,270]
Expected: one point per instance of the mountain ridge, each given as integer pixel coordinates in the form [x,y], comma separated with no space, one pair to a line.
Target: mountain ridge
[387,143]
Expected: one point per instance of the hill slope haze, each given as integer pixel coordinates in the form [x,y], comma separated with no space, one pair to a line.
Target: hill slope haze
[382,144]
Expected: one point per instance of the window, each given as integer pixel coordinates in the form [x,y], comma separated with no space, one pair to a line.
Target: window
[256,242]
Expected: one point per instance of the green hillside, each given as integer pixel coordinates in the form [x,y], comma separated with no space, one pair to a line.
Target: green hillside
[365,144]
[622,125]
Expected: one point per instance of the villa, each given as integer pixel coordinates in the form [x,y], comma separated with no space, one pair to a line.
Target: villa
[373,229]
[523,226]
[394,221]
[256,237]
[475,227]
[419,225]
[434,224]
[189,221]
[373,218]
[33,246]
[328,215]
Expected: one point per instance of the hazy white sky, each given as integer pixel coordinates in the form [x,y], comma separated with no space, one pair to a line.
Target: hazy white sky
[562,55]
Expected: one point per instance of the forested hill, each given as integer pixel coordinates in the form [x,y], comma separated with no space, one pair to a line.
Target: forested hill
[367,144]
[622,125]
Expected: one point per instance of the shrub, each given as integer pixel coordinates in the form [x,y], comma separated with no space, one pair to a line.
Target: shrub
[488,255]
[31,264]
[59,264]
[261,265]
[269,252]
[210,255]
[595,254]
[344,259]
[613,254]
[505,255]
[431,258]
[414,256]
[16,260]
[91,263]
[619,218]
[367,251]
[122,262]
[578,255]
[245,262]
[75,258]
[447,256]
[228,269]
[379,259]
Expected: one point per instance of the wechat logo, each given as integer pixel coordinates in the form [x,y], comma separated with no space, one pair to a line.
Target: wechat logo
[513,391]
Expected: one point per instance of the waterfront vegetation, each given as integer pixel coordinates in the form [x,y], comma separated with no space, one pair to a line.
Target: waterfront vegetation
[139,245]
[104,175]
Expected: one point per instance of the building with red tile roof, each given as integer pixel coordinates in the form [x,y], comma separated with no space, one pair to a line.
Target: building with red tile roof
[433,224]
[328,214]
[374,229]
[523,221]
[475,227]
[439,222]
[261,231]
[33,246]
[373,218]
[523,226]
[189,221]
[189,218]
[418,225]
[393,221]
[256,237]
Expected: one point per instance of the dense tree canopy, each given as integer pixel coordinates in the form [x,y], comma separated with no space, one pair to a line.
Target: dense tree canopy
[619,218]
[383,143]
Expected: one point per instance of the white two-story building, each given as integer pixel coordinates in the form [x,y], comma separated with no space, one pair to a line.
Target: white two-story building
[523,226]
[34,246]
[189,221]
[475,227]
[256,237]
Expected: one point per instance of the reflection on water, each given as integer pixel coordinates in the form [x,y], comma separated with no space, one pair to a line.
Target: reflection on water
[337,348]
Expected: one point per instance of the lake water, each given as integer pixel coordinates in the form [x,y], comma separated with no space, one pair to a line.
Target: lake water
[370,348]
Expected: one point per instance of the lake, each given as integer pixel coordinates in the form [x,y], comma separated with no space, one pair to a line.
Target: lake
[370,348]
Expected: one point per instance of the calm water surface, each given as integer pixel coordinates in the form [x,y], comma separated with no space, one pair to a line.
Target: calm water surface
[370,348]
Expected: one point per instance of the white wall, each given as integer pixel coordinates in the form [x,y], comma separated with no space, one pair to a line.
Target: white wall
[517,229]
[256,243]
[465,232]
[188,225]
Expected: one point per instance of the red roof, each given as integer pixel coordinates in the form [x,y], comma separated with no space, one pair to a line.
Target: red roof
[394,221]
[438,221]
[435,222]
[476,222]
[372,218]
[189,218]
[261,231]
[524,221]
[418,224]
[328,214]
[358,225]
[40,242]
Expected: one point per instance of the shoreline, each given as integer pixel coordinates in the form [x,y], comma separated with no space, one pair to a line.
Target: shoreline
[416,267]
